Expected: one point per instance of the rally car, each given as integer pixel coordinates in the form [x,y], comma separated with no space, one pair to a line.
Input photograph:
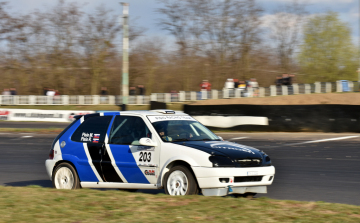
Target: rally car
[153,150]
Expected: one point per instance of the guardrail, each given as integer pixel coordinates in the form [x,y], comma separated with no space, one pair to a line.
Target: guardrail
[182,96]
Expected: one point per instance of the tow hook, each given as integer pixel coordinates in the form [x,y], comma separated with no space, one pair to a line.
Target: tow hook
[229,189]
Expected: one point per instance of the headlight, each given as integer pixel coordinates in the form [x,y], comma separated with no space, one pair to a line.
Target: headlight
[221,161]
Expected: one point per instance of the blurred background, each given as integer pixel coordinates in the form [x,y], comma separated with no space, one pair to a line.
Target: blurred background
[75,47]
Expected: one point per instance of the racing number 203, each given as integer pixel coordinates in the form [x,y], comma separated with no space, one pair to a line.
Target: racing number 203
[144,156]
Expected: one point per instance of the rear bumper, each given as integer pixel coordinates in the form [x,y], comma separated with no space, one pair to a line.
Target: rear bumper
[209,178]
[49,164]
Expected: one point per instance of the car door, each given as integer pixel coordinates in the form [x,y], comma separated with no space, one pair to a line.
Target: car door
[88,144]
[133,163]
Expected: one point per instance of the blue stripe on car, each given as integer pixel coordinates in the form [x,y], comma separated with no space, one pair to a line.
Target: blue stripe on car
[126,163]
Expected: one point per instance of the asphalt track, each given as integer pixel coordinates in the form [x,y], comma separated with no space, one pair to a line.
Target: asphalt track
[307,171]
[33,125]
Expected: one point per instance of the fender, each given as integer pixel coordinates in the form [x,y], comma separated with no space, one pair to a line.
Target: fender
[182,158]
[82,167]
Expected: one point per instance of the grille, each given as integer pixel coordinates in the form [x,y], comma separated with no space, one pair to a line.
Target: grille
[248,179]
[249,162]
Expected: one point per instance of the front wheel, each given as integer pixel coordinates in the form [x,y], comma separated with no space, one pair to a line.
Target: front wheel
[180,181]
[65,177]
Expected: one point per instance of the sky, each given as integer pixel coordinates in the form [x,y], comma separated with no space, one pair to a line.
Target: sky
[145,10]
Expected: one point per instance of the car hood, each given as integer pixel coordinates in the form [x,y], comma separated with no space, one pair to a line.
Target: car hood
[224,148]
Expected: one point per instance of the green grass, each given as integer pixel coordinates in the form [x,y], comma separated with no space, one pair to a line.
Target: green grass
[173,106]
[34,204]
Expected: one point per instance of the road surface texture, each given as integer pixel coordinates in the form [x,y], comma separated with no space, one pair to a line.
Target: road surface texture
[33,125]
[309,166]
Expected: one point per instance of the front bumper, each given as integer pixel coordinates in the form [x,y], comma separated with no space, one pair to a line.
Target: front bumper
[209,178]
[49,164]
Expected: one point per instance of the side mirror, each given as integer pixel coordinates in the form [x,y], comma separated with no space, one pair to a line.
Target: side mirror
[221,138]
[147,142]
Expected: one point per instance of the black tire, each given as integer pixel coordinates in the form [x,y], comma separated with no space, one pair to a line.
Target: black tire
[246,195]
[129,190]
[178,188]
[65,177]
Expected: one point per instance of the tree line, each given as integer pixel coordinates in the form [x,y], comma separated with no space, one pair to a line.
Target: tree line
[78,52]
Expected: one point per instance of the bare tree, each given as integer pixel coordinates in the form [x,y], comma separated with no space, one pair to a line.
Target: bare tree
[285,31]
[98,39]
[224,31]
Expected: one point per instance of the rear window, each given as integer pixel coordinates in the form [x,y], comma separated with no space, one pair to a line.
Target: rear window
[92,130]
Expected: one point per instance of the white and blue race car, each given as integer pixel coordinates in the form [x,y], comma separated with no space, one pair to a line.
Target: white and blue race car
[153,150]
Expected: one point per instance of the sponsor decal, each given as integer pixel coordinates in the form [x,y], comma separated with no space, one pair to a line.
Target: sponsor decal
[37,115]
[147,148]
[4,115]
[149,172]
[170,118]
[86,137]
[232,146]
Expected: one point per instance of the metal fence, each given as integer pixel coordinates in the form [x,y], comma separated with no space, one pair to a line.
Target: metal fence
[182,96]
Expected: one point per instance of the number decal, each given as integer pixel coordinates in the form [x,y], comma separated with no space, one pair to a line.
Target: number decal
[145,156]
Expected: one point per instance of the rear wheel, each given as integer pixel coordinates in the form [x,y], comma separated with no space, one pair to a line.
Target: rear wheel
[246,195]
[180,181]
[65,177]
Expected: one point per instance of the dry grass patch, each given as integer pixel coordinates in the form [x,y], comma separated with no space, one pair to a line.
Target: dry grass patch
[34,204]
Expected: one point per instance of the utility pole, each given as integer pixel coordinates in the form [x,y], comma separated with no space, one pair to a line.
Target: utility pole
[125,70]
[359,46]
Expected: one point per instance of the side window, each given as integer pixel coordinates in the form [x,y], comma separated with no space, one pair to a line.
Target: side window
[92,130]
[128,130]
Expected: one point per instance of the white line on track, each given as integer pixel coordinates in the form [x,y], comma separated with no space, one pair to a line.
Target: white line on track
[238,138]
[323,140]
[26,136]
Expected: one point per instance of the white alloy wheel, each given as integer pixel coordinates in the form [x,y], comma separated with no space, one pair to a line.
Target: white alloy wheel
[177,183]
[64,179]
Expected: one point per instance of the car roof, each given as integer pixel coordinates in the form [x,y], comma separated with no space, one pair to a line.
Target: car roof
[134,112]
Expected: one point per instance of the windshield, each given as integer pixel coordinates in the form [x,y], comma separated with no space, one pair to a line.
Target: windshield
[183,130]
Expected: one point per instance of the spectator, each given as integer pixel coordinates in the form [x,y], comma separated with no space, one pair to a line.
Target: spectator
[141,89]
[242,85]
[103,94]
[46,90]
[50,92]
[229,84]
[286,79]
[205,85]
[291,78]
[132,91]
[103,91]
[13,91]
[6,92]
[278,81]
[57,93]
[253,83]
[236,83]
